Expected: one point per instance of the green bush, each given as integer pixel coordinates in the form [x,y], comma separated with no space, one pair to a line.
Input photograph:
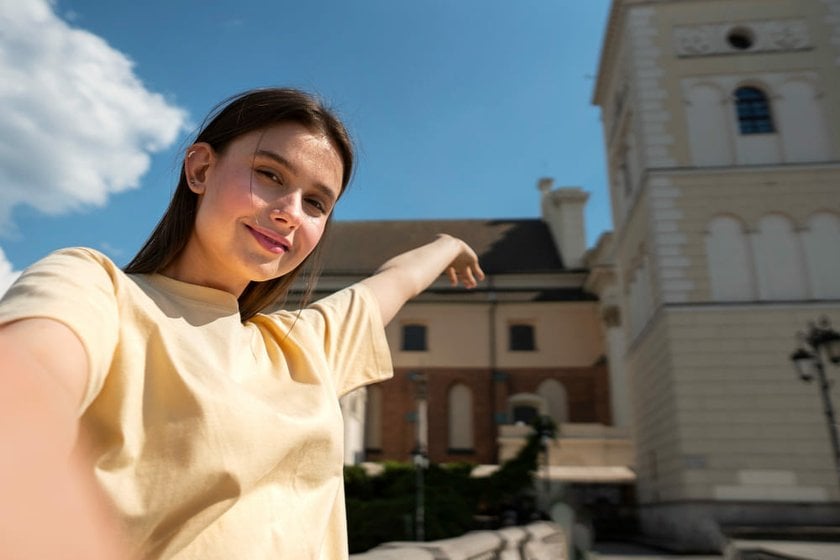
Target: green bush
[382,508]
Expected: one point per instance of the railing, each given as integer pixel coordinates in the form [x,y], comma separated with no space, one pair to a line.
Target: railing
[537,541]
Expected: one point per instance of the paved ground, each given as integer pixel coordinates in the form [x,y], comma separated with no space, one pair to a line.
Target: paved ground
[793,549]
[799,550]
[630,551]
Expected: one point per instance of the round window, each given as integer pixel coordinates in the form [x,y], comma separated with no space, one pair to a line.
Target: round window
[740,38]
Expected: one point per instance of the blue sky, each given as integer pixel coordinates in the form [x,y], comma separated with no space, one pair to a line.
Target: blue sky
[458,107]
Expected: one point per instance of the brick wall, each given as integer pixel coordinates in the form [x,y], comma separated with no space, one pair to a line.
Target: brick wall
[588,400]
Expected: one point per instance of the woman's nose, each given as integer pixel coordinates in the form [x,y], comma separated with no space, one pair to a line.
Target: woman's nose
[288,209]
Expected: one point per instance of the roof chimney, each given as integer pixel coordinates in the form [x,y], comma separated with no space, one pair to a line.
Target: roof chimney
[562,211]
[545,184]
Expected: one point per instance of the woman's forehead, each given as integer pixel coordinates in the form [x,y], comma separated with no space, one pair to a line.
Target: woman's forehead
[297,148]
[287,135]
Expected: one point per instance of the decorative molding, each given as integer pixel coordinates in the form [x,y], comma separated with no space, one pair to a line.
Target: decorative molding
[832,20]
[766,36]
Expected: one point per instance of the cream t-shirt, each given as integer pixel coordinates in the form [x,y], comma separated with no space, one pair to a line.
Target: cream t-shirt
[214,439]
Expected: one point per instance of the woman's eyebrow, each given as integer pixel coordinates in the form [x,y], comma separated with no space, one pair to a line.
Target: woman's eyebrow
[278,158]
[325,190]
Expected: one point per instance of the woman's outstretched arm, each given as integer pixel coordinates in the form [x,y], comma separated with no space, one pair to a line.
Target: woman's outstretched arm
[406,275]
[50,506]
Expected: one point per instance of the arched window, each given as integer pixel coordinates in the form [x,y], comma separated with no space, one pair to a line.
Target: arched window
[729,259]
[800,112]
[779,260]
[708,125]
[821,241]
[460,418]
[524,413]
[524,408]
[556,399]
[753,109]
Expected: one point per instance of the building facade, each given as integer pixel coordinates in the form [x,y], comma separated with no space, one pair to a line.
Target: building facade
[473,368]
[722,126]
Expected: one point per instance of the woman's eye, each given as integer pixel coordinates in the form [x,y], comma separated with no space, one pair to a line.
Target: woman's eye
[271,175]
[317,204]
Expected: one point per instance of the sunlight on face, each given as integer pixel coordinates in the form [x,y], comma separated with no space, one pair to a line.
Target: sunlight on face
[263,205]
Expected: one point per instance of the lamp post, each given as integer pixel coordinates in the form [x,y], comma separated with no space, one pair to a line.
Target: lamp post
[420,456]
[820,341]
[546,430]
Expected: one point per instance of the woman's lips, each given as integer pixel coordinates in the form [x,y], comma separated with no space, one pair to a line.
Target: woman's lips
[269,240]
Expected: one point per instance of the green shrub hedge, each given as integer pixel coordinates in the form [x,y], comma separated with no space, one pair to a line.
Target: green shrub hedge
[382,508]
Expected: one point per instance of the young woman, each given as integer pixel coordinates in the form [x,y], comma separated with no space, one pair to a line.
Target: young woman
[210,429]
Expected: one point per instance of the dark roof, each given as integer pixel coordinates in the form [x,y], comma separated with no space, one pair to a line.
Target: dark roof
[503,246]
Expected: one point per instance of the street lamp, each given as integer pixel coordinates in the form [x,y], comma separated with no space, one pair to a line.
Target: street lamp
[820,341]
[546,430]
[421,463]
[420,455]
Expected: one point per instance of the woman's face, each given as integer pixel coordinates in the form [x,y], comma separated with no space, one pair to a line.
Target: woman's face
[263,205]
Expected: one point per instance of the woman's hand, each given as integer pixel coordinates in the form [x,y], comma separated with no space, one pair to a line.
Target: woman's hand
[464,267]
[408,274]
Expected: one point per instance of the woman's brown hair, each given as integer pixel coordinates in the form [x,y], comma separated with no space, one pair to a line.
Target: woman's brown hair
[249,111]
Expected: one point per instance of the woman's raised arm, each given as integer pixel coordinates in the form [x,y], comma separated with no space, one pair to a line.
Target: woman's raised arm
[406,275]
[50,507]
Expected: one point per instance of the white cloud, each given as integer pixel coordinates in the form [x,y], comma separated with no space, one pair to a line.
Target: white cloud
[77,124]
[7,273]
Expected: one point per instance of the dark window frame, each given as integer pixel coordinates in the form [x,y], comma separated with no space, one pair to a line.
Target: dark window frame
[518,413]
[752,107]
[414,337]
[522,337]
[460,450]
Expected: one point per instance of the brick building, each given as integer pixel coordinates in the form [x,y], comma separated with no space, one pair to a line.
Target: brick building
[722,135]
[473,367]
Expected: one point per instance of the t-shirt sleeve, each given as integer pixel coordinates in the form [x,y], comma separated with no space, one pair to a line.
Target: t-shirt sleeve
[75,287]
[350,324]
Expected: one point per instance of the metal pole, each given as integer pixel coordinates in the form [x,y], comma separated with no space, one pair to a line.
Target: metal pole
[828,407]
[547,481]
[420,457]
[420,518]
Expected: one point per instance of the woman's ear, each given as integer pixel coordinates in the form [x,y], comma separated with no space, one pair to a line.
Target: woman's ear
[197,161]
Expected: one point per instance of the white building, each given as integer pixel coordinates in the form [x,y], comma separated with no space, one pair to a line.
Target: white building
[722,126]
